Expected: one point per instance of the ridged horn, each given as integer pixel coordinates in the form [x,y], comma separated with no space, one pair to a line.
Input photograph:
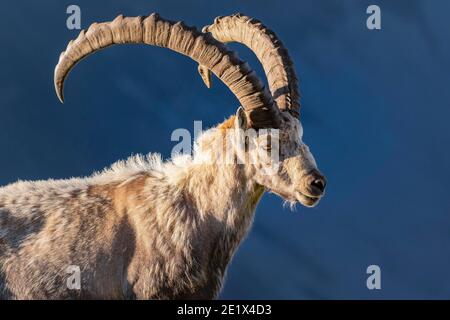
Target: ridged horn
[203,48]
[270,51]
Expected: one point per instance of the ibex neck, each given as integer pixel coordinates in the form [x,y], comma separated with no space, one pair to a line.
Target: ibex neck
[220,189]
[227,201]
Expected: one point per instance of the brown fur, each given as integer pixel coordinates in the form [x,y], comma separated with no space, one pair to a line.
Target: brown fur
[228,123]
[142,229]
[139,237]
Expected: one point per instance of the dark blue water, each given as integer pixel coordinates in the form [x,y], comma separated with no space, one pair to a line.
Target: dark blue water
[376,115]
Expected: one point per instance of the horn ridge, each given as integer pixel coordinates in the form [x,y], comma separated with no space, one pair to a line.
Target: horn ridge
[201,47]
[270,51]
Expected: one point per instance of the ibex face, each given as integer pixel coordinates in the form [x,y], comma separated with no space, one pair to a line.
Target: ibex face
[282,162]
[295,177]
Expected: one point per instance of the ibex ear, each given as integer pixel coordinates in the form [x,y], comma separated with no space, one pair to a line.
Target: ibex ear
[241,121]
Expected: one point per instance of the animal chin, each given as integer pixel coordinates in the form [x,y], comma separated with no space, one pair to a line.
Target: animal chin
[305,200]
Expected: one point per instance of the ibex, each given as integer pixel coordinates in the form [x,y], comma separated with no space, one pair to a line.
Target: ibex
[147,229]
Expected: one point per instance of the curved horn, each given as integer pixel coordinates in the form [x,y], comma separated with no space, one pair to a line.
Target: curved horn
[203,48]
[272,54]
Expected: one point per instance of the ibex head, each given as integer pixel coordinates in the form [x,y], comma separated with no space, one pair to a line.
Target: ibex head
[279,159]
[294,175]
[297,177]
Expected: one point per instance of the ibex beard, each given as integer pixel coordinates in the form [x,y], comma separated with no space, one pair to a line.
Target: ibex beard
[147,229]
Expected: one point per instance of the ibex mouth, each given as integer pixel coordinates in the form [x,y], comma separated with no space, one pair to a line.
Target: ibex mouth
[307,201]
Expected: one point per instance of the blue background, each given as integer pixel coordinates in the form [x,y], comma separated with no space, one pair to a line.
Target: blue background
[375,114]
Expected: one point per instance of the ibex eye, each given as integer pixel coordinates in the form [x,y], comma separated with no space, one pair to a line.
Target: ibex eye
[267,148]
[266,145]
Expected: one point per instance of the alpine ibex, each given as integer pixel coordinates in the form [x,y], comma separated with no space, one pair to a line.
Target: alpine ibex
[147,229]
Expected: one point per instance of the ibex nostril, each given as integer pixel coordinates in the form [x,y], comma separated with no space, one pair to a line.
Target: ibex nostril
[319,184]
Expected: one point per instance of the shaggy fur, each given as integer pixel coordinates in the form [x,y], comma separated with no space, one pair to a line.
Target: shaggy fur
[145,229]
[142,229]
